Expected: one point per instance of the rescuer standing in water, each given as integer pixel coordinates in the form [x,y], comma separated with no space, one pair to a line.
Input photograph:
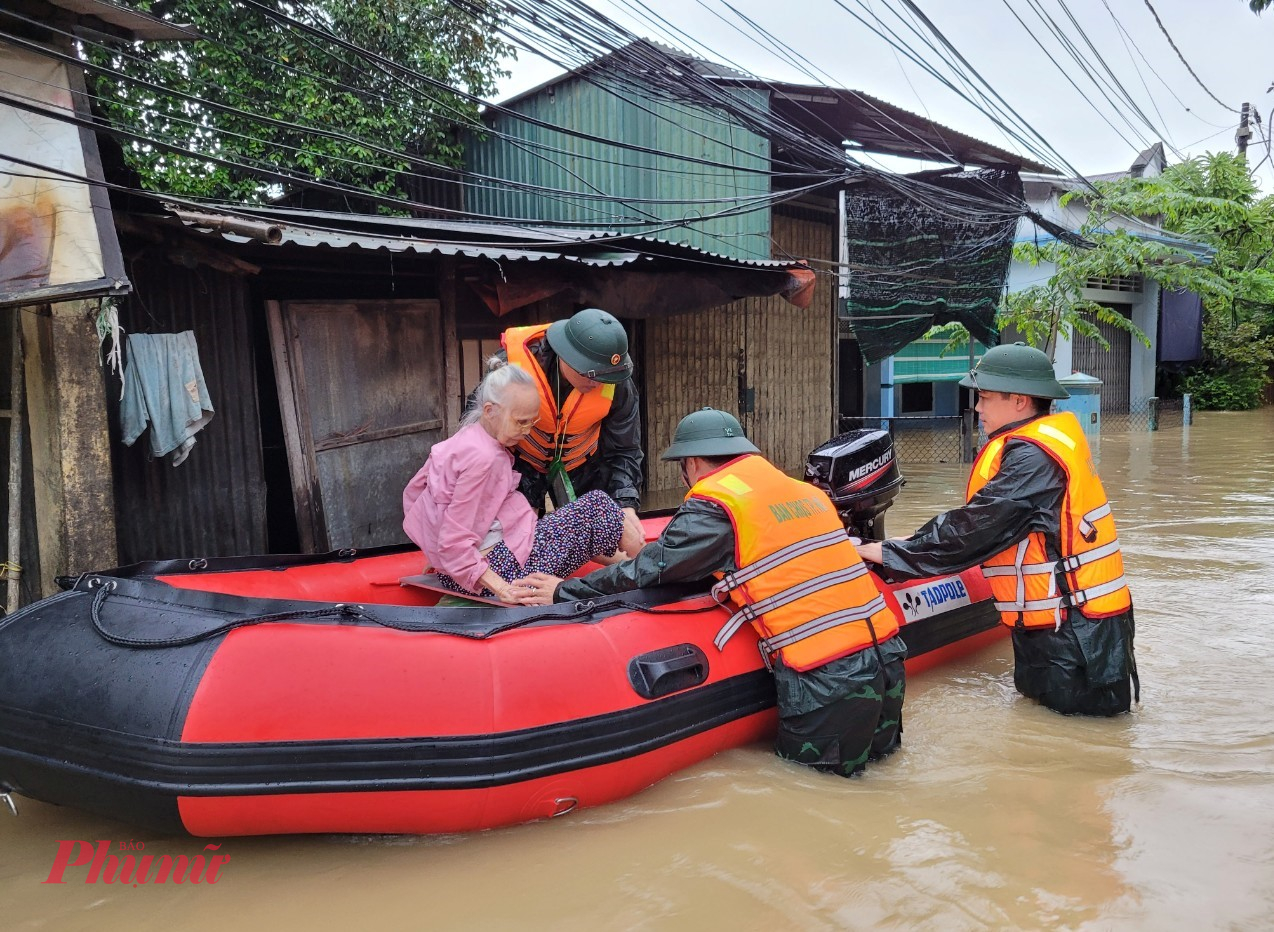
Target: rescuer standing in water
[1037,519]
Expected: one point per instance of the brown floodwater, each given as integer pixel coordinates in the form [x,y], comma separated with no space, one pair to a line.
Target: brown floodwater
[996,813]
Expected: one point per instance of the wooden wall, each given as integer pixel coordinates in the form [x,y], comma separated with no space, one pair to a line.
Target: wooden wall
[787,356]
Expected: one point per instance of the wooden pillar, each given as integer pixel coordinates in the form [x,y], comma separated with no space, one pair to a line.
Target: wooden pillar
[70,443]
[448,298]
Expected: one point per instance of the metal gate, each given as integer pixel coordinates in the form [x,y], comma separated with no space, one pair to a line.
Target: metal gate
[1112,366]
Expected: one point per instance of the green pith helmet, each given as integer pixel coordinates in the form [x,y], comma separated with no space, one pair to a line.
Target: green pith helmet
[594,344]
[1018,369]
[708,432]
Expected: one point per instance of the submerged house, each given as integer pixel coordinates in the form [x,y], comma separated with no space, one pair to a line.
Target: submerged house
[924,374]
[1172,321]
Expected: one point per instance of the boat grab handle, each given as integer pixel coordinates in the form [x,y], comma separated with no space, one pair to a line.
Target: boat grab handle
[667,670]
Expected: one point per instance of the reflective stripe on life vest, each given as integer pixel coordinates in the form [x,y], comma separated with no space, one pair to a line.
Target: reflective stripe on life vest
[825,623]
[800,582]
[571,433]
[731,581]
[753,612]
[1087,528]
[1024,581]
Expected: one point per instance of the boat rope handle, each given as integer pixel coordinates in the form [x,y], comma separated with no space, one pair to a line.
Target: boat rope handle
[104,587]
[346,612]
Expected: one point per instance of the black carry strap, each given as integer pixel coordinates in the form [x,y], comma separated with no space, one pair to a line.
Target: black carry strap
[211,626]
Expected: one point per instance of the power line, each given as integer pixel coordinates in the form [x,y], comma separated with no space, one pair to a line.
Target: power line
[1118,86]
[1066,74]
[1164,30]
[284,124]
[1142,55]
[560,194]
[645,61]
[204,204]
[759,203]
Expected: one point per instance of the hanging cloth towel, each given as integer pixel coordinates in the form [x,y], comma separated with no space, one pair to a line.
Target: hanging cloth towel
[164,386]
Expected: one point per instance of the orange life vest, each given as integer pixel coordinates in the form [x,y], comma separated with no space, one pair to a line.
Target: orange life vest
[572,432]
[1023,580]
[800,582]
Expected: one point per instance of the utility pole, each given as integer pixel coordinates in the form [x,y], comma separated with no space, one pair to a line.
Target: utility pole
[1244,131]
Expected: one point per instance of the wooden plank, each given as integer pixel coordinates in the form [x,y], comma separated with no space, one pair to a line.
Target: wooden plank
[367,436]
[472,354]
[300,462]
[454,390]
[13,587]
[431,582]
[70,442]
[369,383]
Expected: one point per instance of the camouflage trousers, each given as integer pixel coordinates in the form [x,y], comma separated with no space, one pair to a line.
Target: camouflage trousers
[841,715]
[1085,667]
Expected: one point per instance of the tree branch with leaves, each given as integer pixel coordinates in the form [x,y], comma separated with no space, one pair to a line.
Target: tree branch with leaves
[263,91]
[1211,201]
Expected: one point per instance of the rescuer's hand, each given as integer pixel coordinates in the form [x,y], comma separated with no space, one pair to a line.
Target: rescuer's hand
[634,536]
[871,551]
[535,589]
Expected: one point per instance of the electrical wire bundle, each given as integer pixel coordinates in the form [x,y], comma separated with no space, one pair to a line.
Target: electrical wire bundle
[660,80]
[642,71]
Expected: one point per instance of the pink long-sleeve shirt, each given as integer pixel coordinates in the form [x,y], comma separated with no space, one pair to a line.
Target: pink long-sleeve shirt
[467,483]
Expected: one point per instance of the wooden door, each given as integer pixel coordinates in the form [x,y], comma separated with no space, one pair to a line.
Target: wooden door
[362,392]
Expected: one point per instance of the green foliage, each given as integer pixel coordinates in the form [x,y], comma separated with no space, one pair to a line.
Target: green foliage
[1245,356]
[250,67]
[1043,312]
[1212,201]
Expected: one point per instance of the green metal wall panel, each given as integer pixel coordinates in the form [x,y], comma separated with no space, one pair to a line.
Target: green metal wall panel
[555,160]
[923,361]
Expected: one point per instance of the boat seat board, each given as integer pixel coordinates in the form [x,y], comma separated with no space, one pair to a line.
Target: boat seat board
[432,583]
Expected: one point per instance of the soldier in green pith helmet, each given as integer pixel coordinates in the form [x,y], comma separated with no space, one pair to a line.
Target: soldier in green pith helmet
[588,434]
[784,564]
[1037,520]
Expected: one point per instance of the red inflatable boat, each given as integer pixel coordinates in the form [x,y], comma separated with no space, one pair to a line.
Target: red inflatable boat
[247,696]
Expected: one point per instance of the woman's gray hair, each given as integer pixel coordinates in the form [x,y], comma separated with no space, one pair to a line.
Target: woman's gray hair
[500,375]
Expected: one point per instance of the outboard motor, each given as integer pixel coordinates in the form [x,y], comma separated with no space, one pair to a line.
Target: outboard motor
[858,471]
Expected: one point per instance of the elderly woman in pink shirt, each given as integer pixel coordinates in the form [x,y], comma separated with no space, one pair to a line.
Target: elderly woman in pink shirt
[463,508]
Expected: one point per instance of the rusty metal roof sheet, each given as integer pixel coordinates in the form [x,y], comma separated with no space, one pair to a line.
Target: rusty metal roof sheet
[511,242]
[132,24]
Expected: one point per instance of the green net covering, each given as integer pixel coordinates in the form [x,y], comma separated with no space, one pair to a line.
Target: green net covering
[928,249]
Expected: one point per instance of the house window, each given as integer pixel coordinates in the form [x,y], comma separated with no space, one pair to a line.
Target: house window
[917,398]
[1131,284]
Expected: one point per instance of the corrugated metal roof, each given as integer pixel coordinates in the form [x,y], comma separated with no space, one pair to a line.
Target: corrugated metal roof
[830,113]
[879,126]
[513,242]
[135,24]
